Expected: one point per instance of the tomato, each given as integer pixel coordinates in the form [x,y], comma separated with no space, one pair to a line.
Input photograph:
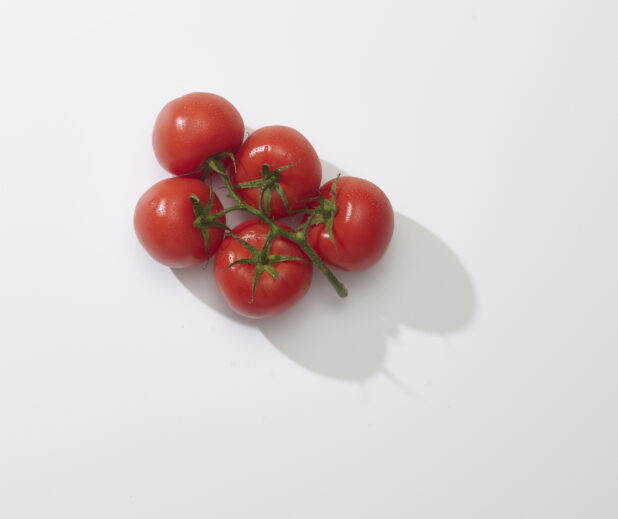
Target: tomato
[272,296]
[164,218]
[278,147]
[362,225]
[192,128]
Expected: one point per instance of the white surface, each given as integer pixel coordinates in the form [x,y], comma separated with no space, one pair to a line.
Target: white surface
[474,377]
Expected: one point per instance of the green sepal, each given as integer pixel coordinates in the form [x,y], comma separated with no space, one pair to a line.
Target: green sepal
[253,250]
[247,185]
[204,220]
[283,168]
[329,229]
[256,276]
[325,213]
[217,166]
[200,210]
[217,223]
[266,194]
[271,270]
[329,223]
[198,207]
[274,258]
[281,192]
[266,171]
[243,261]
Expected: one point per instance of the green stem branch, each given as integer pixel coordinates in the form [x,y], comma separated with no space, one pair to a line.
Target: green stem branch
[299,238]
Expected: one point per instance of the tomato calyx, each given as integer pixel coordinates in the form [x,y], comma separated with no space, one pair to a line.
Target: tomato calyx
[324,212]
[267,184]
[204,220]
[262,260]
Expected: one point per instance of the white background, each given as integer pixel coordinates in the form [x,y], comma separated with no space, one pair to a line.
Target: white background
[473,373]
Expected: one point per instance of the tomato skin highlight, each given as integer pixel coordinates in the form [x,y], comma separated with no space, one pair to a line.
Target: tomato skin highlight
[163,222]
[362,227]
[272,296]
[191,128]
[279,146]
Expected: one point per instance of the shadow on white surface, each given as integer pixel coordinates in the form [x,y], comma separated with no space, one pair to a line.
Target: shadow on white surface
[419,284]
[200,281]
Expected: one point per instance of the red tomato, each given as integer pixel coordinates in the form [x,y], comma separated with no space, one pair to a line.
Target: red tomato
[164,219]
[278,146]
[362,226]
[192,128]
[272,296]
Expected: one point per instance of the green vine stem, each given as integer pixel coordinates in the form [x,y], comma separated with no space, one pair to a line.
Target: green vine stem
[299,238]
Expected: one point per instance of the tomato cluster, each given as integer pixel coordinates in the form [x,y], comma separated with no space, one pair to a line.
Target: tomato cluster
[263,266]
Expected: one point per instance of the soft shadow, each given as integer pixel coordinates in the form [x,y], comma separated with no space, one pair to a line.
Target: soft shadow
[419,284]
[200,281]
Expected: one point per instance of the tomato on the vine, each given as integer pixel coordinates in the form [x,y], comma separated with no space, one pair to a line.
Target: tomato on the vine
[194,127]
[172,222]
[278,165]
[361,221]
[258,281]
[262,267]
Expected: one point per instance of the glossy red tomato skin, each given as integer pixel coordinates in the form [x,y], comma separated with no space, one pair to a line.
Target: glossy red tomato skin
[279,146]
[163,222]
[192,128]
[362,228]
[272,296]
